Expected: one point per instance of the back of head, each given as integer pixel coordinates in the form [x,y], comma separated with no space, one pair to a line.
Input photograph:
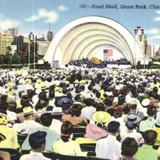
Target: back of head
[37,140]
[76,110]
[46,119]
[126,109]
[113,126]
[66,130]
[151,110]
[130,125]
[150,137]
[121,100]
[129,147]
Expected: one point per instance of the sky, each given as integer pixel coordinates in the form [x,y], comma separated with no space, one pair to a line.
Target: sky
[38,16]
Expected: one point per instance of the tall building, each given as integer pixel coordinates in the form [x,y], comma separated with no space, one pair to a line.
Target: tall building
[6,40]
[154,50]
[31,36]
[150,50]
[24,49]
[50,35]
[42,47]
[20,43]
[141,38]
[13,31]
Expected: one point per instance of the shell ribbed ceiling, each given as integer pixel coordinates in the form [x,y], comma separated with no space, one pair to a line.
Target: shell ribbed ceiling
[80,41]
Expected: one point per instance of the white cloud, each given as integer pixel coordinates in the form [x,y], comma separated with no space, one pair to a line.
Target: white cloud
[32,18]
[157,37]
[157,19]
[152,31]
[154,39]
[158,12]
[9,23]
[62,8]
[46,16]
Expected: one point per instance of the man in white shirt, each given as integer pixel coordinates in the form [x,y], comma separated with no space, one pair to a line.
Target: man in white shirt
[56,120]
[150,121]
[109,147]
[130,130]
[28,124]
[37,142]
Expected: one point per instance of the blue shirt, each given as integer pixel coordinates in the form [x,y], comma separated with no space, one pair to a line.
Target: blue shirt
[51,138]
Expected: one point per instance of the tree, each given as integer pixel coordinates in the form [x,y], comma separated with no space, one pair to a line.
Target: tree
[33,48]
[9,49]
[138,63]
[8,58]
[1,59]
[17,59]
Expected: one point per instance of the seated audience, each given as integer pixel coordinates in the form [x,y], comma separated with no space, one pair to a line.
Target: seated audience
[129,148]
[4,155]
[37,142]
[147,151]
[131,128]
[75,116]
[51,136]
[66,146]
[10,140]
[28,124]
[109,147]
[150,121]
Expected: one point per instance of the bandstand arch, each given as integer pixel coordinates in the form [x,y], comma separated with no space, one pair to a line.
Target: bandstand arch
[72,40]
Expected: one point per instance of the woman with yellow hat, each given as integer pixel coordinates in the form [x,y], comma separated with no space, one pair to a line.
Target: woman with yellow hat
[10,134]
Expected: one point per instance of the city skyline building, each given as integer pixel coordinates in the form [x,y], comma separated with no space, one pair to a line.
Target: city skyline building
[50,35]
[13,31]
[6,40]
[20,43]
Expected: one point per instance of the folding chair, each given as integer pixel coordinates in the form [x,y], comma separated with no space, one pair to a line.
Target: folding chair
[21,138]
[90,148]
[78,131]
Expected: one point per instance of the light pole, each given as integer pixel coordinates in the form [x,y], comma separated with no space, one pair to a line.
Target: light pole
[33,40]
[29,52]
[34,51]
[135,63]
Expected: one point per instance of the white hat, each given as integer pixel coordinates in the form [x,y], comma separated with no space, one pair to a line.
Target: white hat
[145,102]
[21,81]
[131,101]
[51,103]
[57,111]
[109,93]
[87,112]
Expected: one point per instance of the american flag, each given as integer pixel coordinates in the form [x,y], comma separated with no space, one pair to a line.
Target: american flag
[108,52]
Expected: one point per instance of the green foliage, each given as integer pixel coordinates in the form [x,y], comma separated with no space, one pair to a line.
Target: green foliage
[17,59]
[1,59]
[138,63]
[9,49]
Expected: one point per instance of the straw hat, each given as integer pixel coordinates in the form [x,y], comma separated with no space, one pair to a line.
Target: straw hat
[27,110]
[101,117]
[3,119]
[28,81]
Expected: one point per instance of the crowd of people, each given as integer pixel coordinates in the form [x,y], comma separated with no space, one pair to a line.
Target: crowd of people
[103,64]
[119,111]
